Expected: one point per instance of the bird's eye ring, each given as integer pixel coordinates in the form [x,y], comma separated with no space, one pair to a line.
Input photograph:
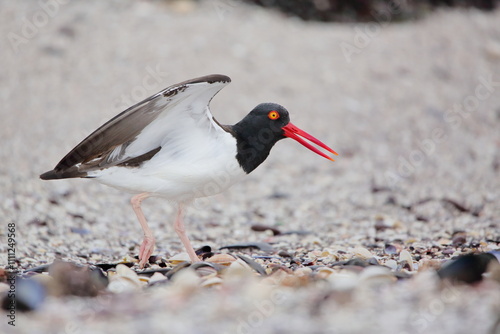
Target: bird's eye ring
[273,114]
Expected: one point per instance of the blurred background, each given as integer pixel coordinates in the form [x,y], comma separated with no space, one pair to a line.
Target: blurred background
[408,93]
[409,97]
[367,10]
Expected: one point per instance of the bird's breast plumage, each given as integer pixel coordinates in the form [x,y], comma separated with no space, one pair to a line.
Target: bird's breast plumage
[183,171]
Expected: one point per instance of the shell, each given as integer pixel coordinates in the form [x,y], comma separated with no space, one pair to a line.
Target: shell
[390,249]
[275,278]
[203,271]
[376,275]
[239,268]
[324,272]
[222,259]
[406,259]
[363,253]
[253,264]
[157,277]
[391,264]
[129,259]
[343,280]
[293,281]
[303,272]
[121,284]
[186,279]
[211,281]
[144,279]
[179,258]
[124,271]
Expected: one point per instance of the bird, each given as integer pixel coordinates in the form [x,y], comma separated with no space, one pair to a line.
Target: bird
[171,146]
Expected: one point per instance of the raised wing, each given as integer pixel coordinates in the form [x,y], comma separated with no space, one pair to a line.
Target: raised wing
[140,131]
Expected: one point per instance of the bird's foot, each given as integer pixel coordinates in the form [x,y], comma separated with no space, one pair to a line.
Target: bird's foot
[192,255]
[147,248]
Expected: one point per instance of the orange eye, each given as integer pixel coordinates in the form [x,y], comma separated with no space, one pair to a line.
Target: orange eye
[273,115]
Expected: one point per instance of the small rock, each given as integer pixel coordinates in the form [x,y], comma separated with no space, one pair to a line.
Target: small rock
[406,260]
[391,264]
[72,279]
[263,228]
[284,253]
[459,238]
[448,251]
[492,50]
[263,246]
[466,268]
[358,262]
[444,242]
[29,296]
[390,249]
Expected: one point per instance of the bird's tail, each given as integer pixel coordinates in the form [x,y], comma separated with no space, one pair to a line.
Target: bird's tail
[62,174]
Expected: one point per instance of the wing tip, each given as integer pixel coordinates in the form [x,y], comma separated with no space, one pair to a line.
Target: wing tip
[50,175]
[65,174]
[211,78]
[181,86]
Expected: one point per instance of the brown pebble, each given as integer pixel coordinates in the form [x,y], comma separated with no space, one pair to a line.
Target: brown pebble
[459,238]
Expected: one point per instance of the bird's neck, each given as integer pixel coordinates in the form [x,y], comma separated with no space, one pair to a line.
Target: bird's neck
[253,146]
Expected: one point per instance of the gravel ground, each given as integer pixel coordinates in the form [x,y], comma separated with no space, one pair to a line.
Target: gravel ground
[412,108]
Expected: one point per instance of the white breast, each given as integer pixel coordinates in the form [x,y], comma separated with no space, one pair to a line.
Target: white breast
[190,169]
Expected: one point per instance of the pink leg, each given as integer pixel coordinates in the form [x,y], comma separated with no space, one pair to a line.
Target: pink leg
[181,232]
[148,243]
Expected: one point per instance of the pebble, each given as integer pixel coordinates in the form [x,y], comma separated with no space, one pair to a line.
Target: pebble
[390,249]
[392,264]
[492,50]
[406,260]
[29,295]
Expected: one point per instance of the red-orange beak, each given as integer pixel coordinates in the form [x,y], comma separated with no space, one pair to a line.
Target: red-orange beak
[291,131]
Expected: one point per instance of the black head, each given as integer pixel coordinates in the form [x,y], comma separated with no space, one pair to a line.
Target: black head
[270,116]
[265,125]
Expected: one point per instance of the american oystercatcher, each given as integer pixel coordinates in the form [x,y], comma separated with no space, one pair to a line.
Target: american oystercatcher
[170,145]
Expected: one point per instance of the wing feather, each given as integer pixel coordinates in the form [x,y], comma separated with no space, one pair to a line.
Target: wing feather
[143,128]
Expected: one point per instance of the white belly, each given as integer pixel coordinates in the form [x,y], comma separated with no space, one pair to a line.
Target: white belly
[180,174]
